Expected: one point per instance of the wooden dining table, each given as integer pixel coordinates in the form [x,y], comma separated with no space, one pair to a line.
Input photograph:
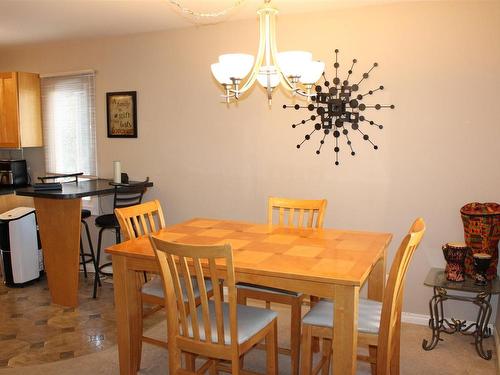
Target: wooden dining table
[329,263]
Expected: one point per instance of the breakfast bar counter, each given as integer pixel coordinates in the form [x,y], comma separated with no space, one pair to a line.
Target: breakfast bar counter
[59,219]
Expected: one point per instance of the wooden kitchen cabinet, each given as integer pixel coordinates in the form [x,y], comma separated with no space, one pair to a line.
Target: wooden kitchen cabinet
[20,112]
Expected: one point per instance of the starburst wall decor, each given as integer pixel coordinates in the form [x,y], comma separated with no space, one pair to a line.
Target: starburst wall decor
[337,110]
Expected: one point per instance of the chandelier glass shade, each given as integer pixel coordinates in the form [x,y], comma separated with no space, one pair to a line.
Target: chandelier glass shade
[295,70]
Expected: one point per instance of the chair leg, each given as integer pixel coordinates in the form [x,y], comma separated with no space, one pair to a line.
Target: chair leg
[235,364]
[241,300]
[190,361]
[372,350]
[327,355]
[82,256]
[306,363]
[213,368]
[140,321]
[91,248]
[99,240]
[313,300]
[295,335]
[272,349]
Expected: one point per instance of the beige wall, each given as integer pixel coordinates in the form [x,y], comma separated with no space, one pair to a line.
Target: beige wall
[439,62]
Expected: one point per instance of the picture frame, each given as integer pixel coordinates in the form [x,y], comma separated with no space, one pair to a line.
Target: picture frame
[121,109]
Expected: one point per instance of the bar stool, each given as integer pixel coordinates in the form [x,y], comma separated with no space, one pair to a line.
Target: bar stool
[85,214]
[125,195]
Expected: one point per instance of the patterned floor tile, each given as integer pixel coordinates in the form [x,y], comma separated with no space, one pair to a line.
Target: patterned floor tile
[34,331]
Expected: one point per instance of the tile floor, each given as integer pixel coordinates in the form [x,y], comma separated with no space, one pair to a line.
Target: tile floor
[34,331]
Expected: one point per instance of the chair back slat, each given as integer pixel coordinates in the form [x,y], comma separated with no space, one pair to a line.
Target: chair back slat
[133,221]
[291,212]
[301,218]
[151,222]
[310,212]
[311,217]
[199,262]
[217,297]
[176,289]
[200,279]
[393,297]
[188,287]
[138,227]
[282,216]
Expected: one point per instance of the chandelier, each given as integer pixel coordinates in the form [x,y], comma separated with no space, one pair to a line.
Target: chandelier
[295,70]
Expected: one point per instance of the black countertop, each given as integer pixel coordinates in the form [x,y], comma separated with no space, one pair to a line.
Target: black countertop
[71,190]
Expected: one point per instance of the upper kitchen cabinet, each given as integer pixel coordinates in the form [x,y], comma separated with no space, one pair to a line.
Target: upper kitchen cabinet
[20,114]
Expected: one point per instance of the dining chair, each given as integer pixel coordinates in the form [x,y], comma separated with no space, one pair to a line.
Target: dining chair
[85,214]
[125,195]
[217,330]
[139,220]
[379,323]
[296,213]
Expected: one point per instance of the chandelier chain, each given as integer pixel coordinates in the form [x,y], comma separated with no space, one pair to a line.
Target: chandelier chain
[206,15]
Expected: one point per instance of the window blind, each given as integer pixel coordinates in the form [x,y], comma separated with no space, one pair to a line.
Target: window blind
[68,107]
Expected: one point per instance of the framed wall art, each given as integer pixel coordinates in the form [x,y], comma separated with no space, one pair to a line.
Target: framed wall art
[121,110]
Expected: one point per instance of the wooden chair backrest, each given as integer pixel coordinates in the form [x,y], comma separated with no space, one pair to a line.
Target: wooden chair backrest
[70,177]
[140,219]
[127,195]
[297,212]
[181,262]
[393,297]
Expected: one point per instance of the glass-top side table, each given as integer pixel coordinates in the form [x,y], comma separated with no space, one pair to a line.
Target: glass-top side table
[436,279]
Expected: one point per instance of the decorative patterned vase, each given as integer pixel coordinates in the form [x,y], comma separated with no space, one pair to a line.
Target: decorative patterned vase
[454,254]
[481,232]
[481,264]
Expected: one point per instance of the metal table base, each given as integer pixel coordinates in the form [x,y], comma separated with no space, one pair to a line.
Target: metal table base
[439,324]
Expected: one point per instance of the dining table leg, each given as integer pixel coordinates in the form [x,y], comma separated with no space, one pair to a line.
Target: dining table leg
[376,279]
[128,315]
[345,330]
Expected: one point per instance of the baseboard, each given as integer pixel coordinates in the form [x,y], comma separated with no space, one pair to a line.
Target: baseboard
[419,319]
[423,320]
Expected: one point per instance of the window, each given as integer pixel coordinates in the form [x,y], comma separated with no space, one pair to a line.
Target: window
[68,105]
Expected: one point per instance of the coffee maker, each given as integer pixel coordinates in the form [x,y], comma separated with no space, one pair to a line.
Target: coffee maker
[13,173]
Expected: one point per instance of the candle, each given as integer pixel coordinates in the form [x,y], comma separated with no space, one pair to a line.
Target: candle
[117,172]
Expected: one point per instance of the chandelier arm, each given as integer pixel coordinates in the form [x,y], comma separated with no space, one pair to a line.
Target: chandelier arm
[274,56]
[261,52]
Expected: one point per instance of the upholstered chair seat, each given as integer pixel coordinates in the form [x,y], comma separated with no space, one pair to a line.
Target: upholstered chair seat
[369,312]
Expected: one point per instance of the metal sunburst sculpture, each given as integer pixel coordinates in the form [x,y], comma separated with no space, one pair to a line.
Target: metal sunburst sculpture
[338,106]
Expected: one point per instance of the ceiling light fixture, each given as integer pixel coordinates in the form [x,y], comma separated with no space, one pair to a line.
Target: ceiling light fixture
[295,70]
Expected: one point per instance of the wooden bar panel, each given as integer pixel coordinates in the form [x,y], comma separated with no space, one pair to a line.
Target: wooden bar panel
[59,223]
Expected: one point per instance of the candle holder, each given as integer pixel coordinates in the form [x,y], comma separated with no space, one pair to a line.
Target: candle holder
[481,264]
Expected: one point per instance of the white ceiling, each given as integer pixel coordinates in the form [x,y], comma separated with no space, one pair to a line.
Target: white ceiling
[30,21]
